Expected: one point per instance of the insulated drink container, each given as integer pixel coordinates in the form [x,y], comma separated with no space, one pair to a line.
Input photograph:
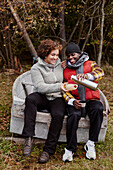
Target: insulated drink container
[87,83]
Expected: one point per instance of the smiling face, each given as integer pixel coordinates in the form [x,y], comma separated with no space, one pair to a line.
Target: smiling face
[52,57]
[73,57]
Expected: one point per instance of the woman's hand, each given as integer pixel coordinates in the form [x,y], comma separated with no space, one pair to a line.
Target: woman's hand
[82,76]
[62,87]
[77,104]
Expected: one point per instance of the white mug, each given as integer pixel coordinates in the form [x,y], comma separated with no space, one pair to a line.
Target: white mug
[71,87]
[83,103]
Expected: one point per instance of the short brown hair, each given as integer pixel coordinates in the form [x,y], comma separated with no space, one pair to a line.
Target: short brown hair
[46,46]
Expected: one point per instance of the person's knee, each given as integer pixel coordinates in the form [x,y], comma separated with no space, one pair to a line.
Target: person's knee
[29,99]
[99,107]
[75,115]
[58,115]
[97,112]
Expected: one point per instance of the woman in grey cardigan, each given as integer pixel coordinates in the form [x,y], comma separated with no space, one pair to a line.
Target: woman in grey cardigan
[47,77]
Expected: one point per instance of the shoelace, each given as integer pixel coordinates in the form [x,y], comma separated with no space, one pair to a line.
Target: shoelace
[28,142]
[45,154]
[91,147]
[70,155]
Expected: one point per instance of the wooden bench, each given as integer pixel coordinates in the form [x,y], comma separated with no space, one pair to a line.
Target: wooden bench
[22,87]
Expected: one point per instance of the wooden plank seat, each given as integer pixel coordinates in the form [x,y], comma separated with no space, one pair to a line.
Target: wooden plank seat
[22,87]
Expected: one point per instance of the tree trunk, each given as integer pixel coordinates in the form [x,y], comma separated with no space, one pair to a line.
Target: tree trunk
[62,28]
[23,30]
[101,34]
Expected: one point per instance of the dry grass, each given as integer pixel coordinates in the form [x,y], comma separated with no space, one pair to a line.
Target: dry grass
[11,153]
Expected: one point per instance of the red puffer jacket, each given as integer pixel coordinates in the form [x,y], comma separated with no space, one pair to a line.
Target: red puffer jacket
[90,94]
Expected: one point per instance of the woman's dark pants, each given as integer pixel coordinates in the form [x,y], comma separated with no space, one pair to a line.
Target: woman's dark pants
[37,101]
[94,109]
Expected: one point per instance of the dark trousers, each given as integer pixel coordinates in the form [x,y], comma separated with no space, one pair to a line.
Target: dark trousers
[37,101]
[94,109]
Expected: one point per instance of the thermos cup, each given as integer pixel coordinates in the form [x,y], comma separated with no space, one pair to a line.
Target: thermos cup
[71,87]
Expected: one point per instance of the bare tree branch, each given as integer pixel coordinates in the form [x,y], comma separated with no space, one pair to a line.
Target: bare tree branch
[90,28]
[96,3]
[74,29]
[2,57]
[101,34]
[78,23]
[82,23]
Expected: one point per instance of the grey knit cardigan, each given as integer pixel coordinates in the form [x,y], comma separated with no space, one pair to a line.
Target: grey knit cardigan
[47,78]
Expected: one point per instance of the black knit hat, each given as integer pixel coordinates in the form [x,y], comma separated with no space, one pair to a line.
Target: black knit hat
[72,48]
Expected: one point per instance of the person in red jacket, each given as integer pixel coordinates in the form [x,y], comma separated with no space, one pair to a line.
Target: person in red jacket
[78,64]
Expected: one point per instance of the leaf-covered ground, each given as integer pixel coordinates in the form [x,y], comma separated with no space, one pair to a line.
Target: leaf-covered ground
[11,157]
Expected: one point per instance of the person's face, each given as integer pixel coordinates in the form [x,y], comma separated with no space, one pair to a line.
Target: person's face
[52,57]
[73,57]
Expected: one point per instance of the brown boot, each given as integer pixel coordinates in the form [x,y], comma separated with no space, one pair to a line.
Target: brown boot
[28,146]
[44,157]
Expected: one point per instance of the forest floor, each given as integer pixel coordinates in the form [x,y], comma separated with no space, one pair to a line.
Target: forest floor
[11,157]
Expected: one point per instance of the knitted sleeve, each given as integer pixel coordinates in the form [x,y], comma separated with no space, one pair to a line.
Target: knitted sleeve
[97,72]
[67,96]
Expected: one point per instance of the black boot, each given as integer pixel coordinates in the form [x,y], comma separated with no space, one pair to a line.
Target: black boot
[28,146]
[44,157]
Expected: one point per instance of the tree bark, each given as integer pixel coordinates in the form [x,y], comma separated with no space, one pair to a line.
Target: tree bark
[23,30]
[101,35]
[62,28]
